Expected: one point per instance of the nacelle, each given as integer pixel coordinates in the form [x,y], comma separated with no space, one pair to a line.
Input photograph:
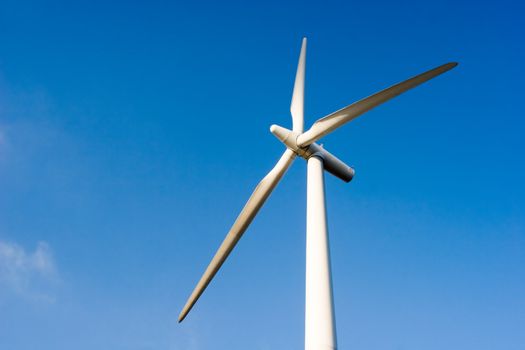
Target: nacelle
[331,163]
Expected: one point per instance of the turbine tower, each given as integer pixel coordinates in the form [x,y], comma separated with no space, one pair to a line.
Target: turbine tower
[319,311]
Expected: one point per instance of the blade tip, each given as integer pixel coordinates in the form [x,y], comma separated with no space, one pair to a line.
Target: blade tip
[185,310]
[452,64]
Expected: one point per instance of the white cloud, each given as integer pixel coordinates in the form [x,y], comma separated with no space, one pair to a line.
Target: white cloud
[27,274]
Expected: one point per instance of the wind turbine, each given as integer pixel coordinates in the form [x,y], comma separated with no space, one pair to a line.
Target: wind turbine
[319,313]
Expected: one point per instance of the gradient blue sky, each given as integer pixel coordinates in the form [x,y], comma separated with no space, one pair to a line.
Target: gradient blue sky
[131,134]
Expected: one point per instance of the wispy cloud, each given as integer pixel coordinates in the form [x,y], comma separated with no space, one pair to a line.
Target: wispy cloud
[27,274]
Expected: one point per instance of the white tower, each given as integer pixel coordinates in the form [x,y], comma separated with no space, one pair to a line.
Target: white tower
[319,306]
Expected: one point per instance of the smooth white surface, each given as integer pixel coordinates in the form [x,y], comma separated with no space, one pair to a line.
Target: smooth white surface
[297,106]
[319,308]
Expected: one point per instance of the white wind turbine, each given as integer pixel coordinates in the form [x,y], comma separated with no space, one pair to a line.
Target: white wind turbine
[319,313]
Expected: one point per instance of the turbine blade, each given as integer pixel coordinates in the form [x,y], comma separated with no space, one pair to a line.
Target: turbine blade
[331,122]
[297,106]
[256,201]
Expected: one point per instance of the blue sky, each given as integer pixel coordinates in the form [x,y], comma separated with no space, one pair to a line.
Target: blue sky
[131,134]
